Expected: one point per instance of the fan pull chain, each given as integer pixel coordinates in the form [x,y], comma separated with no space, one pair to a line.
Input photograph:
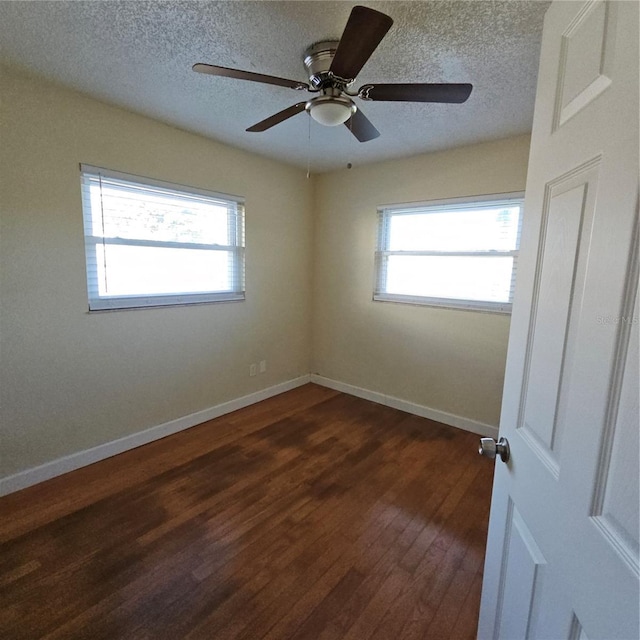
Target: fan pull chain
[353,142]
[309,149]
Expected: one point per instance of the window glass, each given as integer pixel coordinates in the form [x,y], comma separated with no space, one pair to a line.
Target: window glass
[458,253]
[151,244]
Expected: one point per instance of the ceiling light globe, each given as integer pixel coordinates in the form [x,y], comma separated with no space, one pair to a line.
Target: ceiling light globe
[330,111]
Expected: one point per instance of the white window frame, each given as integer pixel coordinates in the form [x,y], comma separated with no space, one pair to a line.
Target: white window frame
[235,207]
[382,254]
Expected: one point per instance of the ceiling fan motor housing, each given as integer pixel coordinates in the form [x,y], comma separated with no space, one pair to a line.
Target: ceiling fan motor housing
[317,62]
[331,107]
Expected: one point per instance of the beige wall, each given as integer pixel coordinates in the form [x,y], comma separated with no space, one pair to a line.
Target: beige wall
[71,380]
[444,359]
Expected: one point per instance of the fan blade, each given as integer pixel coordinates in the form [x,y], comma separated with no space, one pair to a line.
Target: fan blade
[213,70]
[363,33]
[361,128]
[451,93]
[277,118]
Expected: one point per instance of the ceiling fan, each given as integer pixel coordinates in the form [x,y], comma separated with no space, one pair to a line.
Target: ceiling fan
[332,67]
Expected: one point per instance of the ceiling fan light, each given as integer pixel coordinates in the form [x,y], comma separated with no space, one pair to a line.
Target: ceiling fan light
[330,111]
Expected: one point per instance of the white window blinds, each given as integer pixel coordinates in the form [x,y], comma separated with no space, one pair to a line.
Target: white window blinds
[151,243]
[458,253]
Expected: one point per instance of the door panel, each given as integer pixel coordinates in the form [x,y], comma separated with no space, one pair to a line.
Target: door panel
[564,238]
[617,500]
[522,571]
[586,59]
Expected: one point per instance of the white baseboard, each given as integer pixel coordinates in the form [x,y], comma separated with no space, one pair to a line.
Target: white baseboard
[49,470]
[410,407]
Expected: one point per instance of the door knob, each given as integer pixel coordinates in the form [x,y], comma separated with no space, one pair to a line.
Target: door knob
[489,448]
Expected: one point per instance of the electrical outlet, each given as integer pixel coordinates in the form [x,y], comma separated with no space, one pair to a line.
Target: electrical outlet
[253,369]
[263,366]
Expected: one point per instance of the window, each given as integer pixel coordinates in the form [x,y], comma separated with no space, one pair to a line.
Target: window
[150,243]
[457,253]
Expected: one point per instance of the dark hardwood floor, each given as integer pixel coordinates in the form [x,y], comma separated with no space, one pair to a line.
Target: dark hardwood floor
[310,515]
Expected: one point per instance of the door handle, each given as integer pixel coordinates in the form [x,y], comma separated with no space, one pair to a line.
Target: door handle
[490,448]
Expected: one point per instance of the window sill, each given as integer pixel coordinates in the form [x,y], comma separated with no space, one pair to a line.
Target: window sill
[444,303]
[130,304]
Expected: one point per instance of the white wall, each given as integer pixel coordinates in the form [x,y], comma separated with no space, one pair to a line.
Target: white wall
[71,380]
[447,360]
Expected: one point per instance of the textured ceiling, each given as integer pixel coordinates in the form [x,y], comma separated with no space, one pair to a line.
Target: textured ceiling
[139,54]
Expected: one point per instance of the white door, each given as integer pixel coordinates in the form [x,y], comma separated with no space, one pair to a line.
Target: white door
[562,553]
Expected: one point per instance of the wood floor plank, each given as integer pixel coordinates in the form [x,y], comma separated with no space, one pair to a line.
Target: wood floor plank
[312,515]
[466,626]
